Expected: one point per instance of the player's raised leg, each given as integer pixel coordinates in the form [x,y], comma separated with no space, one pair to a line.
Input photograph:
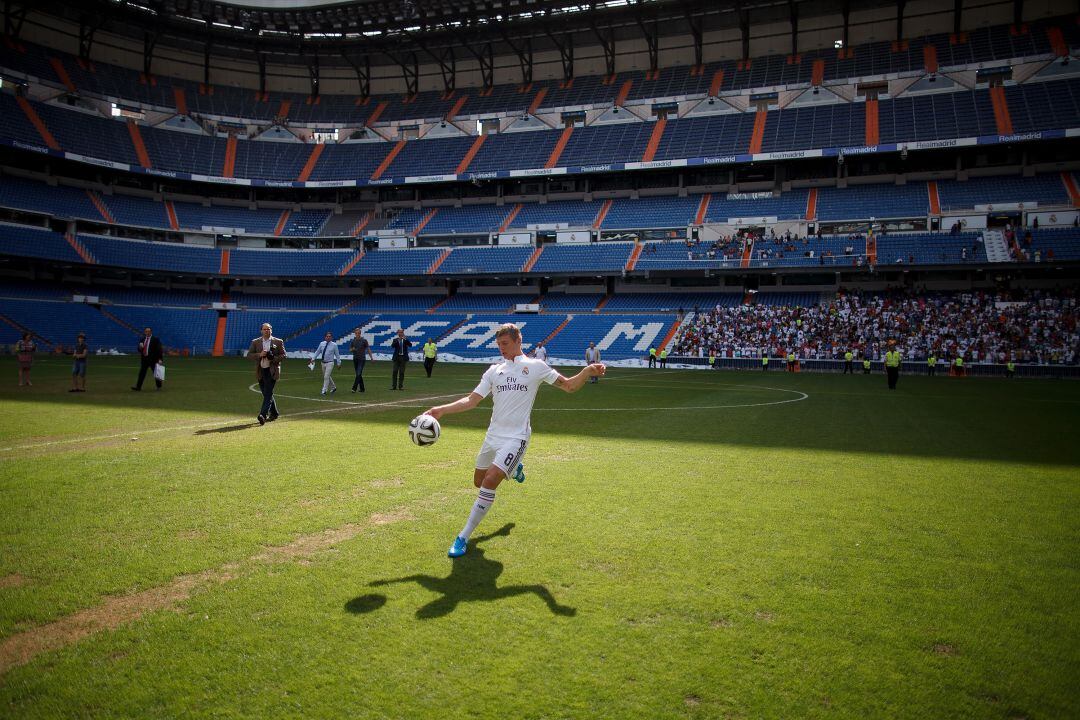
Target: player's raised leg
[485,498]
[493,463]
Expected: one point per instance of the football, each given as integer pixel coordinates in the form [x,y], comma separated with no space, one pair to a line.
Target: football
[424,430]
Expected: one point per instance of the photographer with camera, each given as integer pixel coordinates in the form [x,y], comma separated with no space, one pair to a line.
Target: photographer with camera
[267,351]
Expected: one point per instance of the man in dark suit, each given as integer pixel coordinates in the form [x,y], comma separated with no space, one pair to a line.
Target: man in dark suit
[267,352]
[400,348]
[150,354]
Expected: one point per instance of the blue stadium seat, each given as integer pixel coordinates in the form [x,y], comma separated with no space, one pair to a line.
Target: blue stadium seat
[599,257]
[485,260]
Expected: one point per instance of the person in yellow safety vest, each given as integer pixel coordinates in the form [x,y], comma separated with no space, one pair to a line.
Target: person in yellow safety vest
[663,358]
[765,363]
[848,367]
[866,366]
[712,359]
[429,355]
[892,366]
[958,365]
[791,362]
[931,365]
[652,357]
[1010,369]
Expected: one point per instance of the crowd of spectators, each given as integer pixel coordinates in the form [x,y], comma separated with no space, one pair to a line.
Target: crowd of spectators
[726,247]
[1036,326]
[770,246]
[1019,241]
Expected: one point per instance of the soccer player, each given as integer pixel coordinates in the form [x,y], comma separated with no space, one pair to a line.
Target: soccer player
[512,384]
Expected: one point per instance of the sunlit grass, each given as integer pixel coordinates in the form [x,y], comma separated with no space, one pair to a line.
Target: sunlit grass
[687,544]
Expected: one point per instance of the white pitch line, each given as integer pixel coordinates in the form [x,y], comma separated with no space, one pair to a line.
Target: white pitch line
[390,404]
[803,395]
[172,428]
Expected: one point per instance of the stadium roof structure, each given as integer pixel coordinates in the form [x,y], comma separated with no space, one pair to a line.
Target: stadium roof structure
[406,32]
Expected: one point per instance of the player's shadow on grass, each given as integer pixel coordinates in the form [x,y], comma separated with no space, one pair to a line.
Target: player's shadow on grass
[226,428]
[472,578]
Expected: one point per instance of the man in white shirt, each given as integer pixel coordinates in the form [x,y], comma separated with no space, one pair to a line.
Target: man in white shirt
[328,356]
[539,352]
[512,384]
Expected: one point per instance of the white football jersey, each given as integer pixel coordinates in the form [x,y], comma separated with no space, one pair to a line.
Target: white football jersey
[513,386]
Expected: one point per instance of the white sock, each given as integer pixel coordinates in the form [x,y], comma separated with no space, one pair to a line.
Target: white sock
[480,508]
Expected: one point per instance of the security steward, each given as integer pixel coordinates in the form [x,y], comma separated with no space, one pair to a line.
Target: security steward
[892,365]
[429,355]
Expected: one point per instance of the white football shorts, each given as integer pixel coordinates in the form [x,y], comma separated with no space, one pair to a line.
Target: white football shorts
[503,453]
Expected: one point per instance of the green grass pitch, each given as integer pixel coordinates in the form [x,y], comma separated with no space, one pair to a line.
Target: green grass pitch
[687,544]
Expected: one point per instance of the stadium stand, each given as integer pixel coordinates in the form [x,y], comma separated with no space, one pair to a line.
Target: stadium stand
[786,206]
[922,248]
[59,322]
[23,241]
[394,303]
[565,213]
[182,328]
[496,259]
[864,202]
[857,203]
[652,212]
[679,255]
[958,113]
[1043,102]
[1035,327]
[618,337]
[635,322]
[595,257]
[59,201]
[153,255]
[1045,189]
[467,219]
[271,263]
[570,303]
[670,302]
[243,326]
[867,59]
[482,303]
[1053,244]
[295,301]
[396,262]
[198,217]
[136,211]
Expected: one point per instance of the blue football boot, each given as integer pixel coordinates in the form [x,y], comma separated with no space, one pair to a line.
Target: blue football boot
[458,548]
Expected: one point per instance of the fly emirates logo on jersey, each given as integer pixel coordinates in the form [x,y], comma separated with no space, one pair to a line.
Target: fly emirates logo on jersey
[512,384]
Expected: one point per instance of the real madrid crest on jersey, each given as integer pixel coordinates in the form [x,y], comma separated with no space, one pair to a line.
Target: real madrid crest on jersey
[525,371]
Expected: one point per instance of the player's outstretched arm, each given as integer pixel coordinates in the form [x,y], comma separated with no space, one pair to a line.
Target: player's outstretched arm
[575,383]
[466,403]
